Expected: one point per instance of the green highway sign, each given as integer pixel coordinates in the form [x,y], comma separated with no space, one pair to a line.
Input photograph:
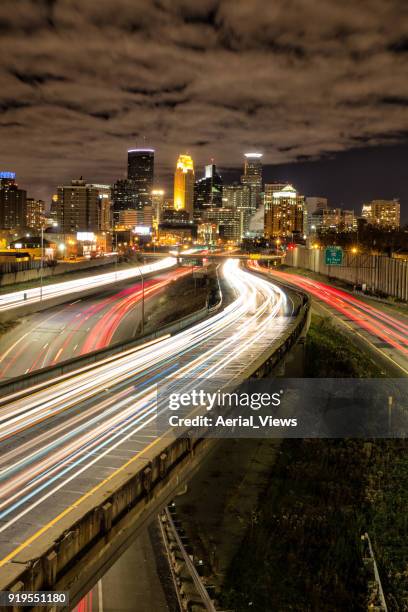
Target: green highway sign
[333,256]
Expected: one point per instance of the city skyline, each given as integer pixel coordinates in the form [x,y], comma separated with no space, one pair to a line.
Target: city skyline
[312,177]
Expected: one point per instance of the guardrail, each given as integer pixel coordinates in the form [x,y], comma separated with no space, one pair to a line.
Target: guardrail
[91,535]
[376,593]
[190,589]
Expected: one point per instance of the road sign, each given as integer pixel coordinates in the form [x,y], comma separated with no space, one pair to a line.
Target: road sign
[255,256]
[333,256]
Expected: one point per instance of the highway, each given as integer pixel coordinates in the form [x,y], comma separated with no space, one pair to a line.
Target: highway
[78,327]
[381,329]
[34,295]
[66,438]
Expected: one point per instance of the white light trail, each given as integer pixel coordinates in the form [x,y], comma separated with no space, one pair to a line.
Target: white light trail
[60,432]
[31,296]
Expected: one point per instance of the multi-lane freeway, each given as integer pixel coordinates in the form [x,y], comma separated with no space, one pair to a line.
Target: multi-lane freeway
[64,439]
[79,326]
[32,296]
[380,329]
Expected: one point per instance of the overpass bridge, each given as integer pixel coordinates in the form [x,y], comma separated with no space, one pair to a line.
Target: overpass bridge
[214,255]
[83,464]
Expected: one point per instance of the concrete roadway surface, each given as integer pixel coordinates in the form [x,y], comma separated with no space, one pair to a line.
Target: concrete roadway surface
[375,326]
[78,327]
[72,436]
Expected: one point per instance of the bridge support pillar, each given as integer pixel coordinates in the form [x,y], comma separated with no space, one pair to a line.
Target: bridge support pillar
[163,464]
[16,588]
[51,568]
[147,479]
[107,517]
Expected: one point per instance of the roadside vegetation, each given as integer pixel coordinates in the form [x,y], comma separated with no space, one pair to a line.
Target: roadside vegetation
[330,354]
[304,550]
[181,298]
[7,326]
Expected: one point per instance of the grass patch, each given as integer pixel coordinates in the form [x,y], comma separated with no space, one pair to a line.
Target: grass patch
[303,550]
[7,326]
[330,354]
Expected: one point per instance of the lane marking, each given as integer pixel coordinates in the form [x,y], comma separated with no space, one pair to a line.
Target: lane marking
[353,329]
[74,506]
[13,346]
[57,356]
[100,596]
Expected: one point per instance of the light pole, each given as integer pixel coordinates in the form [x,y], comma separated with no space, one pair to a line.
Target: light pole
[116,258]
[143,297]
[42,261]
[43,226]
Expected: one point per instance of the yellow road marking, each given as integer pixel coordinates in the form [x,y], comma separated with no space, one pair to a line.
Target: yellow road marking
[73,506]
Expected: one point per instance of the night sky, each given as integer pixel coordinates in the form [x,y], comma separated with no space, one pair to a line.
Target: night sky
[320,80]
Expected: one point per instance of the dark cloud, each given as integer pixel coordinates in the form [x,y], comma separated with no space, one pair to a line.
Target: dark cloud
[81,80]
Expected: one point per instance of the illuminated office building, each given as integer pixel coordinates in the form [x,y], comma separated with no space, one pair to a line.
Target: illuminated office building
[13,203]
[252,177]
[226,221]
[332,220]
[284,211]
[129,218]
[35,213]
[123,197]
[105,219]
[184,185]
[141,173]
[208,190]
[77,207]
[382,213]
[238,198]
[157,205]
[314,205]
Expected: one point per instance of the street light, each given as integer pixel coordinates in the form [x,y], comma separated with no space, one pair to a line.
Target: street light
[43,226]
[143,297]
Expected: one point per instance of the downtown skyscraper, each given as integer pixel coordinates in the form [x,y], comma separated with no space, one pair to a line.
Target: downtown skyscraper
[208,190]
[184,185]
[284,211]
[141,173]
[134,192]
[252,177]
[13,203]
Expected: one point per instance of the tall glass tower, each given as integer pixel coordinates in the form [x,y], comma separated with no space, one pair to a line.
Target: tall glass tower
[253,177]
[141,173]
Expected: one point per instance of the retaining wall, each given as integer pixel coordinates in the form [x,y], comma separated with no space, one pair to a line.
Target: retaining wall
[24,276]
